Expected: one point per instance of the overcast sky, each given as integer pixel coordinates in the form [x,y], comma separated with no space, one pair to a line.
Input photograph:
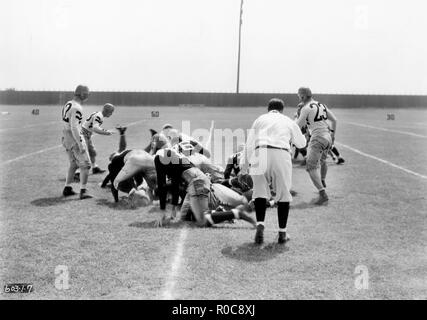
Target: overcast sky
[333,46]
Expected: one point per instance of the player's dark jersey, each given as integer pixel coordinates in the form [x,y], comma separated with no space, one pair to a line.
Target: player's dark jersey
[170,164]
[233,165]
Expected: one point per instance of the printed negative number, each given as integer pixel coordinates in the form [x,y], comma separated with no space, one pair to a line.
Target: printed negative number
[18,288]
[321,112]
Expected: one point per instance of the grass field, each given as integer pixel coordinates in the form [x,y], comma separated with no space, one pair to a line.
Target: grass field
[376,218]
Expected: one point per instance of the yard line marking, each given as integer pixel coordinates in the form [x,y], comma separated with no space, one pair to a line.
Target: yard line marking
[176,264]
[29,126]
[208,144]
[135,122]
[384,129]
[382,160]
[50,148]
[30,154]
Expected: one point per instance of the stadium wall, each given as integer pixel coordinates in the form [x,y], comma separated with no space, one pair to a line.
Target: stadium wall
[12,97]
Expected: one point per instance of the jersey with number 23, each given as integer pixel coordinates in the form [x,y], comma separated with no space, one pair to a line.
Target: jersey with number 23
[316,116]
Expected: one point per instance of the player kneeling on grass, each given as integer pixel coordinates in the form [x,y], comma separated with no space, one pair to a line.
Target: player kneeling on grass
[74,143]
[93,125]
[171,163]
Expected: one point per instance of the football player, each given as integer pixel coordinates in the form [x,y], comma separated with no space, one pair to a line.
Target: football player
[315,116]
[93,125]
[74,143]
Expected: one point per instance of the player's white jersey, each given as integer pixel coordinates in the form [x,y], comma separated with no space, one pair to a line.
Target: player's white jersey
[72,114]
[95,119]
[315,114]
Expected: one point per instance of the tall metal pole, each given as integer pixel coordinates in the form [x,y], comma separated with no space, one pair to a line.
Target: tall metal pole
[238,53]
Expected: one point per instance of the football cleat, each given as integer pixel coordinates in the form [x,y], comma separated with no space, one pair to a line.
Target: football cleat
[323,197]
[121,129]
[68,191]
[340,160]
[97,170]
[84,194]
[259,235]
[283,237]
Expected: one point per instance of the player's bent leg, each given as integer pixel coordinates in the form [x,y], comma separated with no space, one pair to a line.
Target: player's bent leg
[199,204]
[84,165]
[198,193]
[315,151]
[129,170]
[323,172]
[228,197]
[68,190]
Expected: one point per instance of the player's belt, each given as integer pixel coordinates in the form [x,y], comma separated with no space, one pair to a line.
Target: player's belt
[271,147]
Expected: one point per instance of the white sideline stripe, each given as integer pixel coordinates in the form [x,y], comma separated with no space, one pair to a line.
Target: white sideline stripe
[176,264]
[208,144]
[30,154]
[388,130]
[51,148]
[135,122]
[382,160]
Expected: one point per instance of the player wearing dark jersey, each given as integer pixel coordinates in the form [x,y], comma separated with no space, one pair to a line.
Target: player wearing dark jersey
[169,162]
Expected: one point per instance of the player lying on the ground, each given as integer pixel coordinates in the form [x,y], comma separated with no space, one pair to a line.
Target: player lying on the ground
[169,162]
[93,125]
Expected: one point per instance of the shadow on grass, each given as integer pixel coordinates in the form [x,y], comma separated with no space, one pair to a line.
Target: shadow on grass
[306,205]
[229,225]
[123,204]
[52,201]
[253,252]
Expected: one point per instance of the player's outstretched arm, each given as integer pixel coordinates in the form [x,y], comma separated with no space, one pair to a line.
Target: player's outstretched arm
[97,128]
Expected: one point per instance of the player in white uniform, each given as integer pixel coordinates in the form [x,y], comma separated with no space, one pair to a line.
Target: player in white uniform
[93,125]
[315,115]
[267,152]
[74,143]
